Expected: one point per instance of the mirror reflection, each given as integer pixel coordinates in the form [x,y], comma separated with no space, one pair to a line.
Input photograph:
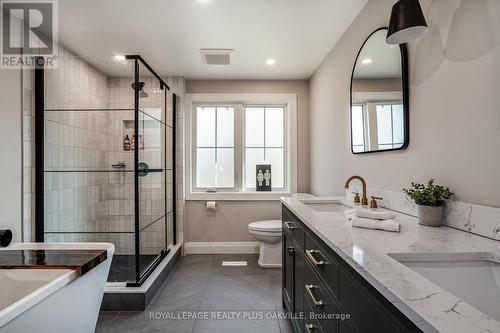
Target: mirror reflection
[378,112]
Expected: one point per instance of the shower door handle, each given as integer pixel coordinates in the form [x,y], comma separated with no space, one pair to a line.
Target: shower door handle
[142,169]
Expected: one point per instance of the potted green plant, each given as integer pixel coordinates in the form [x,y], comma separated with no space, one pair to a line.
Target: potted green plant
[430,201]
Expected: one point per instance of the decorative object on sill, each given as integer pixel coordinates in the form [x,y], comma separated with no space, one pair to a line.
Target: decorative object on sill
[407,22]
[5,238]
[430,201]
[263,177]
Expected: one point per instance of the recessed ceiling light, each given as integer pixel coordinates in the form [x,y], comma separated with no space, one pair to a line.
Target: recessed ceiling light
[367,61]
[119,57]
[270,61]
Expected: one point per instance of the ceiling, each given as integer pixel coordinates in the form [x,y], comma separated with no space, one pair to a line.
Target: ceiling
[386,59]
[168,34]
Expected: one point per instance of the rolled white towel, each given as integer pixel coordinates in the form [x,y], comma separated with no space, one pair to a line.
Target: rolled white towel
[387,225]
[368,214]
[349,212]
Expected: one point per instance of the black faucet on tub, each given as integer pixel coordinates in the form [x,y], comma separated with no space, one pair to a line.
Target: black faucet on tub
[5,238]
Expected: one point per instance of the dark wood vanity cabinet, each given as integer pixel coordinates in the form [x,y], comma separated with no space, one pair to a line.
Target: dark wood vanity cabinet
[323,294]
[293,270]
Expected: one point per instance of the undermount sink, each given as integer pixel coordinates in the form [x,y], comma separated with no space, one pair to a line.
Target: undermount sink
[472,277]
[324,207]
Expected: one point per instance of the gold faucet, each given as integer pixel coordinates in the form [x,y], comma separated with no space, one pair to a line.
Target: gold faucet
[364,199]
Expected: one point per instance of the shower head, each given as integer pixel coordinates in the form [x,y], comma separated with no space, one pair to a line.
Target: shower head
[142,93]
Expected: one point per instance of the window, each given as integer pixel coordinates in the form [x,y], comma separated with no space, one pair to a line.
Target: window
[265,143]
[390,126]
[215,147]
[227,137]
[358,129]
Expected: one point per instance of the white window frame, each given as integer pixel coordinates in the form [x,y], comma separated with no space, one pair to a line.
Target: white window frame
[391,103]
[240,100]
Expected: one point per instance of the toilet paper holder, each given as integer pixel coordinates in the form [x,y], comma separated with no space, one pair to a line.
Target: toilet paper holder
[208,204]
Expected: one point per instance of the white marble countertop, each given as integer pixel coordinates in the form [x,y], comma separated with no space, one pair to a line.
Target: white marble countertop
[430,307]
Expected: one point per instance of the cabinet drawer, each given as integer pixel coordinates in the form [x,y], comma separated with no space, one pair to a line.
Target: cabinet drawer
[294,227]
[326,267]
[311,324]
[317,296]
[363,309]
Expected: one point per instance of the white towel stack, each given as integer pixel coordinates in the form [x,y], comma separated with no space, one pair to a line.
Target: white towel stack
[364,218]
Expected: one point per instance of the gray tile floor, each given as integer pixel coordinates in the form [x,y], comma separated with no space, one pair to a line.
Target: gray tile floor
[198,289]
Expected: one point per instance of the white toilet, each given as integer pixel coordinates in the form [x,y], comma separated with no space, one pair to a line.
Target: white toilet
[269,235]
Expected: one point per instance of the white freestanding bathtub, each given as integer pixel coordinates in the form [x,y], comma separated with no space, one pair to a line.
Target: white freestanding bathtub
[52,300]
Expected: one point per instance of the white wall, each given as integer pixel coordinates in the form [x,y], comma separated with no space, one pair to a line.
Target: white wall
[454,105]
[11,151]
[11,181]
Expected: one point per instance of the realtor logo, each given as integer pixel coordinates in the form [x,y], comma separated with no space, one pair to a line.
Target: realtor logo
[29,33]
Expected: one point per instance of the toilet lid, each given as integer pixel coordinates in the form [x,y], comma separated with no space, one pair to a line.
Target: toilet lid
[269,225]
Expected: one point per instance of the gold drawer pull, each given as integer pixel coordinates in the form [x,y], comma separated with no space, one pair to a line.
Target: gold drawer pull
[310,328]
[309,254]
[309,288]
[290,226]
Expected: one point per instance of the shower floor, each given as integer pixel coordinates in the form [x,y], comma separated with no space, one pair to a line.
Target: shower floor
[123,267]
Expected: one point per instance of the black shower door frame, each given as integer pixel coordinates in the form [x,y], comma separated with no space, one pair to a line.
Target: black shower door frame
[39,72]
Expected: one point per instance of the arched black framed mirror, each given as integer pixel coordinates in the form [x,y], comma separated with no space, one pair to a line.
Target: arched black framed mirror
[379,96]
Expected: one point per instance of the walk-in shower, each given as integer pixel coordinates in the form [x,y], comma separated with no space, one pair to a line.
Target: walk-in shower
[105,171]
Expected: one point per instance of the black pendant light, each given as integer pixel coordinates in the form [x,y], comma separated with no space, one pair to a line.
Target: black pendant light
[407,22]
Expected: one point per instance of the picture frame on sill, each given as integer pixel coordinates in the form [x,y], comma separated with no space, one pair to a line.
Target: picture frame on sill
[263,178]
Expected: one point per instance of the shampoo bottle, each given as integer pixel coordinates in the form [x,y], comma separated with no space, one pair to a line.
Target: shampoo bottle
[126,143]
[141,142]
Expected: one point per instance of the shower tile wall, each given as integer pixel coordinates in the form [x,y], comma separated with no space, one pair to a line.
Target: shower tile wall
[28,157]
[94,201]
[79,203]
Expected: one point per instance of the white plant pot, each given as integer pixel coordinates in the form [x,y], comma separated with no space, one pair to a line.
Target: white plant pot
[430,216]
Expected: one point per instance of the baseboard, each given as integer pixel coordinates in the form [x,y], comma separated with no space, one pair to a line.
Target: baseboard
[221,247]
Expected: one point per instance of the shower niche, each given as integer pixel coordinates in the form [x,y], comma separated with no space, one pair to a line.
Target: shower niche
[105,172]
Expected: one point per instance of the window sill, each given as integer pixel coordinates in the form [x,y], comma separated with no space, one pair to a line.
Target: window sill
[237,196]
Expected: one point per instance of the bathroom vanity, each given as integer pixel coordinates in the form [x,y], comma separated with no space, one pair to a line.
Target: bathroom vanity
[337,278]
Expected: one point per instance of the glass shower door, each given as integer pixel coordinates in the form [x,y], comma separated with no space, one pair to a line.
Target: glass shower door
[152,191]
[151,175]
